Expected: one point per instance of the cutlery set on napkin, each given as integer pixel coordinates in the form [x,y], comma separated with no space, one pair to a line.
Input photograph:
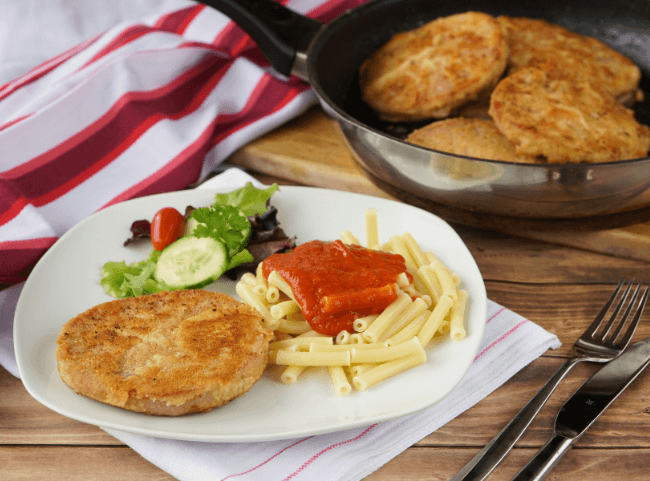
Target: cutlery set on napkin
[604,341]
[191,88]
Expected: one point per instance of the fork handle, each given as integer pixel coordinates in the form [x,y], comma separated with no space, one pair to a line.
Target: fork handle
[493,453]
[545,460]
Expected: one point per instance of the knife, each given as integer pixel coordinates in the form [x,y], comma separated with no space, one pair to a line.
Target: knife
[585,406]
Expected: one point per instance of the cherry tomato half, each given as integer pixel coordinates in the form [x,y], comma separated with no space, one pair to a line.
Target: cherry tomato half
[166,227]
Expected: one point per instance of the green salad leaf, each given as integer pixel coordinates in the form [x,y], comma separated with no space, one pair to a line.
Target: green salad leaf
[121,280]
[249,199]
[224,223]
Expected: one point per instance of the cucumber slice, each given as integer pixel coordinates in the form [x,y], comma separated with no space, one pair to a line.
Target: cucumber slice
[191,262]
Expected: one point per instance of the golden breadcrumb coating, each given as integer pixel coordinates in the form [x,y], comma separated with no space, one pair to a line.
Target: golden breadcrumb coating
[169,353]
[545,112]
[472,137]
[534,41]
[431,71]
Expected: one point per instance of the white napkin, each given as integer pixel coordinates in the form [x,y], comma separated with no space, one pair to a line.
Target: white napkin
[510,342]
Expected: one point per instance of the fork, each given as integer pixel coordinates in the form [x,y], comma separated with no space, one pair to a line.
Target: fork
[593,346]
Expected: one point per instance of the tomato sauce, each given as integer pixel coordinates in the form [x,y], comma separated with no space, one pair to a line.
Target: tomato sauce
[318,271]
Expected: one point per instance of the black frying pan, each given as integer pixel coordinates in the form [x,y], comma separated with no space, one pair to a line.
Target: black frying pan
[328,57]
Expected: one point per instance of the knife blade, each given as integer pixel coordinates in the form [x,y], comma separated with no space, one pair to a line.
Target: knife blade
[585,407]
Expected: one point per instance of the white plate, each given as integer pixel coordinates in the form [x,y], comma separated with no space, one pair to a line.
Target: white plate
[65,282]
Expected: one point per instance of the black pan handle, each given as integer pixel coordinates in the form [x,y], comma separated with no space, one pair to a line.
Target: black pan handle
[279,32]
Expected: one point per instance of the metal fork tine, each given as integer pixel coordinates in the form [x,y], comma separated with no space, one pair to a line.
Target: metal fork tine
[593,328]
[635,320]
[617,309]
[626,315]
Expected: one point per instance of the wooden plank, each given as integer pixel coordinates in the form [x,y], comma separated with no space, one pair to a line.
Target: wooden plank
[415,464]
[23,420]
[309,150]
[505,258]
[72,463]
[579,464]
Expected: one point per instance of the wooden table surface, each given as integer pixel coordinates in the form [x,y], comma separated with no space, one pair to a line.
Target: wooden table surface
[559,288]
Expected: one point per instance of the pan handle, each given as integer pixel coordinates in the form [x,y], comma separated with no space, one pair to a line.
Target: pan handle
[279,32]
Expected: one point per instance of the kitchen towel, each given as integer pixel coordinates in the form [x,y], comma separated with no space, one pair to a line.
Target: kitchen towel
[510,342]
[105,101]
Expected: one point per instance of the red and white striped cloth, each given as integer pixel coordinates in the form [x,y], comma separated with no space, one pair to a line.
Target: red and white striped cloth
[147,97]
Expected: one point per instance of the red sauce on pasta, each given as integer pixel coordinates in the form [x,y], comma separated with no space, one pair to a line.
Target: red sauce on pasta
[335,283]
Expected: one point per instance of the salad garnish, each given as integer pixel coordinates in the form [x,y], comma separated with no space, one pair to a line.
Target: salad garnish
[214,240]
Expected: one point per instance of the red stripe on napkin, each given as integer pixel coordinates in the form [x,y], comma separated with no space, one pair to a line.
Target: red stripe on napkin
[323,451]
[21,256]
[504,336]
[54,173]
[186,166]
[10,203]
[44,68]
[128,35]
[178,21]
[269,459]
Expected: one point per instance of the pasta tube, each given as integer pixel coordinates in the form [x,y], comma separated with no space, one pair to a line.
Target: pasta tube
[388,369]
[434,320]
[419,257]
[383,354]
[301,342]
[246,293]
[379,325]
[349,238]
[291,373]
[249,278]
[406,316]
[284,309]
[340,380]
[320,347]
[410,330]
[362,323]
[300,358]
[457,327]
[276,280]
[372,232]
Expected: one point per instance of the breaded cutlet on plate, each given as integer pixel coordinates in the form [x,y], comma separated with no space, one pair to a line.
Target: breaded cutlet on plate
[431,71]
[535,41]
[545,112]
[471,137]
[170,353]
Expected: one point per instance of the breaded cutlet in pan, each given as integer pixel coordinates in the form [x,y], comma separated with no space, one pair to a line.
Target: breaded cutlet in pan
[547,112]
[431,71]
[535,41]
[472,137]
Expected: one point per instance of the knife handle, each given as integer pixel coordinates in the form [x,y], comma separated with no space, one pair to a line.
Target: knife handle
[493,453]
[545,460]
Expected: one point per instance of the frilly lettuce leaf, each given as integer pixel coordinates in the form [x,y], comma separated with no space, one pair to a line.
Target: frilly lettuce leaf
[121,280]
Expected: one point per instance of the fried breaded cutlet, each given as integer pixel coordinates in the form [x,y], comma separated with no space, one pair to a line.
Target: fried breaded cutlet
[432,70]
[169,353]
[546,113]
[471,137]
[534,41]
